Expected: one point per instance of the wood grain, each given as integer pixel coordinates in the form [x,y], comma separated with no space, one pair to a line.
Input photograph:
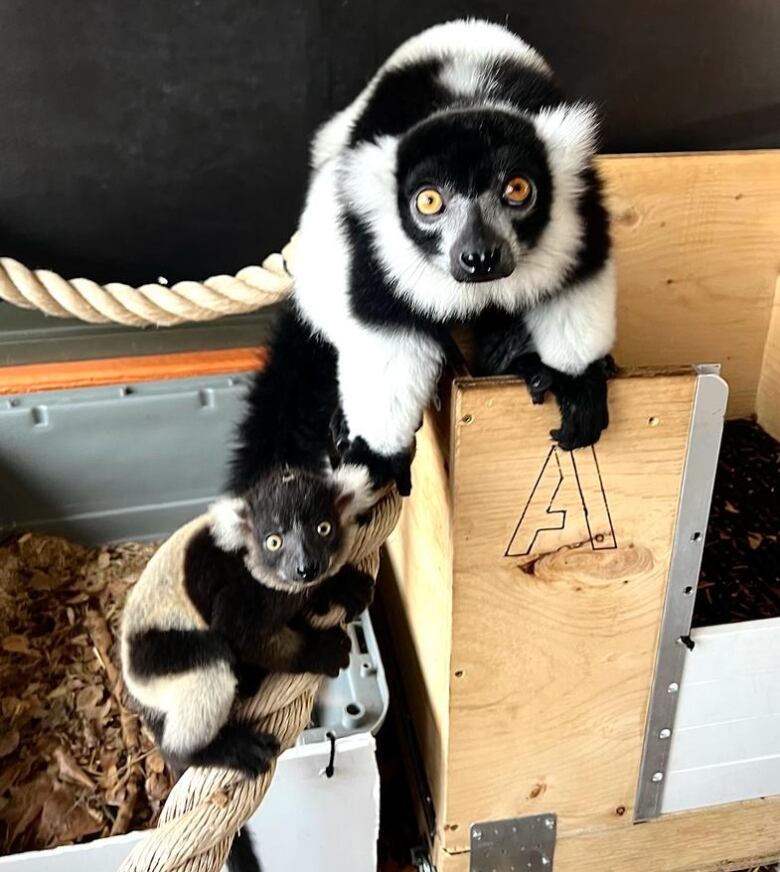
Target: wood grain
[721,839]
[553,651]
[35,377]
[768,397]
[697,241]
[417,594]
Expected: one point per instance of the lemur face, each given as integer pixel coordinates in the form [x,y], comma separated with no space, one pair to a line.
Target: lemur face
[474,191]
[295,529]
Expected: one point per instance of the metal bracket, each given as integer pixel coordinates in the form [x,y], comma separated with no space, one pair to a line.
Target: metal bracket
[525,844]
[674,643]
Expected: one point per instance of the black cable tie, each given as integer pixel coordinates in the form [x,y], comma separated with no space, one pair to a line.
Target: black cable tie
[330,769]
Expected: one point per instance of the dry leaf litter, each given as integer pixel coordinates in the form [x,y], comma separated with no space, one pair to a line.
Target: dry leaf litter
[75,763]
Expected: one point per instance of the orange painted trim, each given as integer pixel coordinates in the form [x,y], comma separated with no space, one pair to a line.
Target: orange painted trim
[29,378]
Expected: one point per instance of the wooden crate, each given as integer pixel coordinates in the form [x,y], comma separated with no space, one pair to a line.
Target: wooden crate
[526,586]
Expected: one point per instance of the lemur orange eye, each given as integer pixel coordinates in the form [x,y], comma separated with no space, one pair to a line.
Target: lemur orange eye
[324,528]
[273,542]
[429,202]
[517,190]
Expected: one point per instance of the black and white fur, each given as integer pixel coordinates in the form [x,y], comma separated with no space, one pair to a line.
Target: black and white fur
[290,406]
[203,627]
[461,107]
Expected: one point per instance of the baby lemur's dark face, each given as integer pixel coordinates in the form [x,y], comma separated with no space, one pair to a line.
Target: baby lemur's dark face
[295,529]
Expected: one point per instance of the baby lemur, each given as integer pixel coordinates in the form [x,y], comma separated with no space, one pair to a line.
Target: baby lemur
[212,615]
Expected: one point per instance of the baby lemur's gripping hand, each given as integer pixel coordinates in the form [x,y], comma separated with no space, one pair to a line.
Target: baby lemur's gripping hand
[582,399]
[327,652]
[349,588]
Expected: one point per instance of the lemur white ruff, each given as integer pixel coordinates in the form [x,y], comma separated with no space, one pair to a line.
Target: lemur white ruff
[458,187]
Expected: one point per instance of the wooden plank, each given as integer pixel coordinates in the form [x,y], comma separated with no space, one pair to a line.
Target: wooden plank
[697,239]
[768,398]
[553,649]
[35,377]
[723,839]
[417,594]
[726,741]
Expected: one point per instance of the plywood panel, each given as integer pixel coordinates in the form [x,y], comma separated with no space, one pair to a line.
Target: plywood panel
[723,839]
[560,571]
[768,399]
[418,598]
[697,239]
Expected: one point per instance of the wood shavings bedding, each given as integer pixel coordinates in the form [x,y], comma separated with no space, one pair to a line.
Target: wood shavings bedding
[75,763]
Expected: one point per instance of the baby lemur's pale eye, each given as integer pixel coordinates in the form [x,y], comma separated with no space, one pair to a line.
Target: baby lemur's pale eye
[274,542]
[324,528]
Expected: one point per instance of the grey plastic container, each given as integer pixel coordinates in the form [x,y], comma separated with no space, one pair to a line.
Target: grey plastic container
[135,462]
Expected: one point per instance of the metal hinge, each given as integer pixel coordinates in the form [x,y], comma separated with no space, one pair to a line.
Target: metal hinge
[525,844]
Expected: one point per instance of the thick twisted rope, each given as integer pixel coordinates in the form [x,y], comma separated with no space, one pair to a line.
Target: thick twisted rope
[150,305]
[208,806]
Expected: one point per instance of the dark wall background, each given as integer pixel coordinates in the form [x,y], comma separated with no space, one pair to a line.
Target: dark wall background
[169,137]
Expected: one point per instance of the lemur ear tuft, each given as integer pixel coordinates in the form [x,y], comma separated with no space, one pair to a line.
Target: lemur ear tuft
[571,134]
[355,491]
[229,523]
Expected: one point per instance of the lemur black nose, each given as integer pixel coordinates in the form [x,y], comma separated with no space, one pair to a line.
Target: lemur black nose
[308,570]
[481,263]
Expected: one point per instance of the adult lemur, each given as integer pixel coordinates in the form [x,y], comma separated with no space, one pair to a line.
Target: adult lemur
[459,187]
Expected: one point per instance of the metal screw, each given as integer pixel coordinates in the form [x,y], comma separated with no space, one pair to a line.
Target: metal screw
[665,733]
[467,419]
[673,687]
[477,834]
[658,776]
[549,823]
[545,860]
